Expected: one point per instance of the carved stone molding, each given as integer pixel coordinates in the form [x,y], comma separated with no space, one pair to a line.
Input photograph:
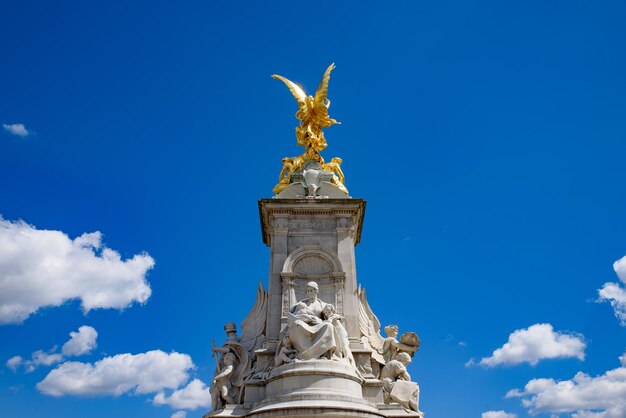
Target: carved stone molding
[312,263]
[311,214]
[289,295]
[315,251]
[311,224]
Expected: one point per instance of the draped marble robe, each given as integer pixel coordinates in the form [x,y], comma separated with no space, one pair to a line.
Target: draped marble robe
[311,334]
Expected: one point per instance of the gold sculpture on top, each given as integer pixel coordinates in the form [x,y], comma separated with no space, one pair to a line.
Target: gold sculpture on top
[312,113]
[313,116]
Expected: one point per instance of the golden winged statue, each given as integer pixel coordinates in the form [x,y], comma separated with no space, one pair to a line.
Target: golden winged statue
[313,116]
[312,113]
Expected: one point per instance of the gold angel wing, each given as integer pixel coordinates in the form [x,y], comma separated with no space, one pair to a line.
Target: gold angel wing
[322,89]
[304,112]
[295,89]
[319,114]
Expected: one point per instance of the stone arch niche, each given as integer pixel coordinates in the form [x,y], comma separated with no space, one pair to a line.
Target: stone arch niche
[312,263]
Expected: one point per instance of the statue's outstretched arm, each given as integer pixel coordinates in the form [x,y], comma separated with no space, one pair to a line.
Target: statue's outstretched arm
[403,347]
[228,370]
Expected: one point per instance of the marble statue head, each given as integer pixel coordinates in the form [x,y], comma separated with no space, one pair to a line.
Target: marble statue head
[403,358]
[328,310]
[287,341]
[391,331]
[312,289]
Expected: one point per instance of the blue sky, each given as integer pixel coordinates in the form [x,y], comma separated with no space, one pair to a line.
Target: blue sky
[488,139]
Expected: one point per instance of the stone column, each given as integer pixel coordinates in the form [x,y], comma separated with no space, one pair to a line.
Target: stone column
[345,253]
[278,243]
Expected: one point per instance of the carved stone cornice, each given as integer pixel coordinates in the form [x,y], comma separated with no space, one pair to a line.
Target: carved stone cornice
[275,214]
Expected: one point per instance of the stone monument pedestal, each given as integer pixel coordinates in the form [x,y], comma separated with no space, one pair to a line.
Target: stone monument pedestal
[313,378]
[312,240]
[312,388]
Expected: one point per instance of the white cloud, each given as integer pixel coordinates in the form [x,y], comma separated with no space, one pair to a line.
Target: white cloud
[498,414]
[123,373]
[14,362]
[81,342]
[620,268]
[615,293]
[40,268]
[585,396]
[42,358]
[16,129]
[471,362]
[192,396]
[535,343]
[615,412]
[38,358]
[179,414]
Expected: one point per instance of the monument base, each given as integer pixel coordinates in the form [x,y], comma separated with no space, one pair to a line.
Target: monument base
[313,388]
[314,377]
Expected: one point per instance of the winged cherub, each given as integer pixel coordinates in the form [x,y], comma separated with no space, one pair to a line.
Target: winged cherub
[313,115]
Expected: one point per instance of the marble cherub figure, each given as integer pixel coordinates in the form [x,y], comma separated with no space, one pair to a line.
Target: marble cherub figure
[343,344]
[287,353]
[392,347]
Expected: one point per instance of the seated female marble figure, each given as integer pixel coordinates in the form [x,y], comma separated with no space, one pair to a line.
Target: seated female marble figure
[311,333]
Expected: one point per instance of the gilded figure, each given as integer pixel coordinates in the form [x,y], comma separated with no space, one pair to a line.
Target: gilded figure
[313,116]
[334,167]
[312,113]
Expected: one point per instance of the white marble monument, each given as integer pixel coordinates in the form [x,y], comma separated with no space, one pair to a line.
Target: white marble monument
[311,344]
